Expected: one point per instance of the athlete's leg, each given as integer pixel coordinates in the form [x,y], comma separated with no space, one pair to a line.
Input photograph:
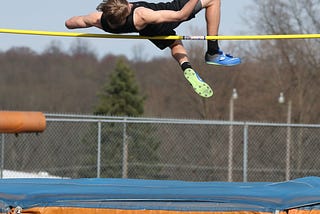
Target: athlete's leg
[214,55]
[179,53]
[213,14]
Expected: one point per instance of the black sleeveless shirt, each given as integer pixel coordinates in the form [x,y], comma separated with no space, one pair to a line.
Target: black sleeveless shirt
[151,29]
[162,29]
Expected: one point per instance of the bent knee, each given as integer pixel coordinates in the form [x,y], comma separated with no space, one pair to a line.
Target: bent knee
[207,3]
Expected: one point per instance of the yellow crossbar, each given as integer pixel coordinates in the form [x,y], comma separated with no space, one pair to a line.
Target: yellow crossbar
[122,36]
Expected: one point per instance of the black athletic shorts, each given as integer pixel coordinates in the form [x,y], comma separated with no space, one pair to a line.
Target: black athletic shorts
[167,29]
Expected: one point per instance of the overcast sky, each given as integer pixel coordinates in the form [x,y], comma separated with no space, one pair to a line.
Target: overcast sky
[50,16]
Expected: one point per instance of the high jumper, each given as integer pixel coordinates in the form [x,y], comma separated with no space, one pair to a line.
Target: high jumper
[160,19]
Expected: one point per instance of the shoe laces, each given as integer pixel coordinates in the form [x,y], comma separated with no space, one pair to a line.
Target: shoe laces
[223,55]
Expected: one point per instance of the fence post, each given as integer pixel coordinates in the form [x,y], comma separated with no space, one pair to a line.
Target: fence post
[245,153]
[99,150]
[230,155]
[2,156]
[288,141]
[125,150]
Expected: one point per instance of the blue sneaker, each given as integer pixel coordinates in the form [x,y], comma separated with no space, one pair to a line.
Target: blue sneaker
[199,86]
[222,59]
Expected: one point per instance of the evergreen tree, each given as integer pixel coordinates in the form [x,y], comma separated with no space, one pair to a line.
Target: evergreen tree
[121,96]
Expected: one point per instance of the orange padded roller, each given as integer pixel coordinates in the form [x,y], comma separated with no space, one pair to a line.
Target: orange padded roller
[19,122]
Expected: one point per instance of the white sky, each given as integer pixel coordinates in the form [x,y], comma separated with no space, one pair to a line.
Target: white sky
[50,16]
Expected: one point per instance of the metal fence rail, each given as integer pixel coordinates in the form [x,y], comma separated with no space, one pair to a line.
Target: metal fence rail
[85,146]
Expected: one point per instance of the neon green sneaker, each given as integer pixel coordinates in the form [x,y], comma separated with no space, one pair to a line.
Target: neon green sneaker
[199,86]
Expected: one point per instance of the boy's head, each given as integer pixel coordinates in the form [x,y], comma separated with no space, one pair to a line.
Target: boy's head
[116,11]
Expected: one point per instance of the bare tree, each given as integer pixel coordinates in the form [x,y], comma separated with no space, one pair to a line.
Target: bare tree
[294,64]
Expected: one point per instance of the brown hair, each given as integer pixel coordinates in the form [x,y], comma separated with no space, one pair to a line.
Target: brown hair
[116,11]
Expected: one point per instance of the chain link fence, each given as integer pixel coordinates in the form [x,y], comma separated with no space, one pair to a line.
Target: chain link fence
[75,146]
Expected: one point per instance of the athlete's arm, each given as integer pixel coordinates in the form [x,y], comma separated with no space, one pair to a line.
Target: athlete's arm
[90,20]
[144,16]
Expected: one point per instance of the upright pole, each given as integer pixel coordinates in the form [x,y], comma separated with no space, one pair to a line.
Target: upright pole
[230,156]
[245,153]
[99,151]
[125,151]
[233,97]
[288,156]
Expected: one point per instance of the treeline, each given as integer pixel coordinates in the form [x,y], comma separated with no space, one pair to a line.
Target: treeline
[55,81]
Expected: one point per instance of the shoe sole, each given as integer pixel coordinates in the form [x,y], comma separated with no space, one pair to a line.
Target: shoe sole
[200,87]
[228,65]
